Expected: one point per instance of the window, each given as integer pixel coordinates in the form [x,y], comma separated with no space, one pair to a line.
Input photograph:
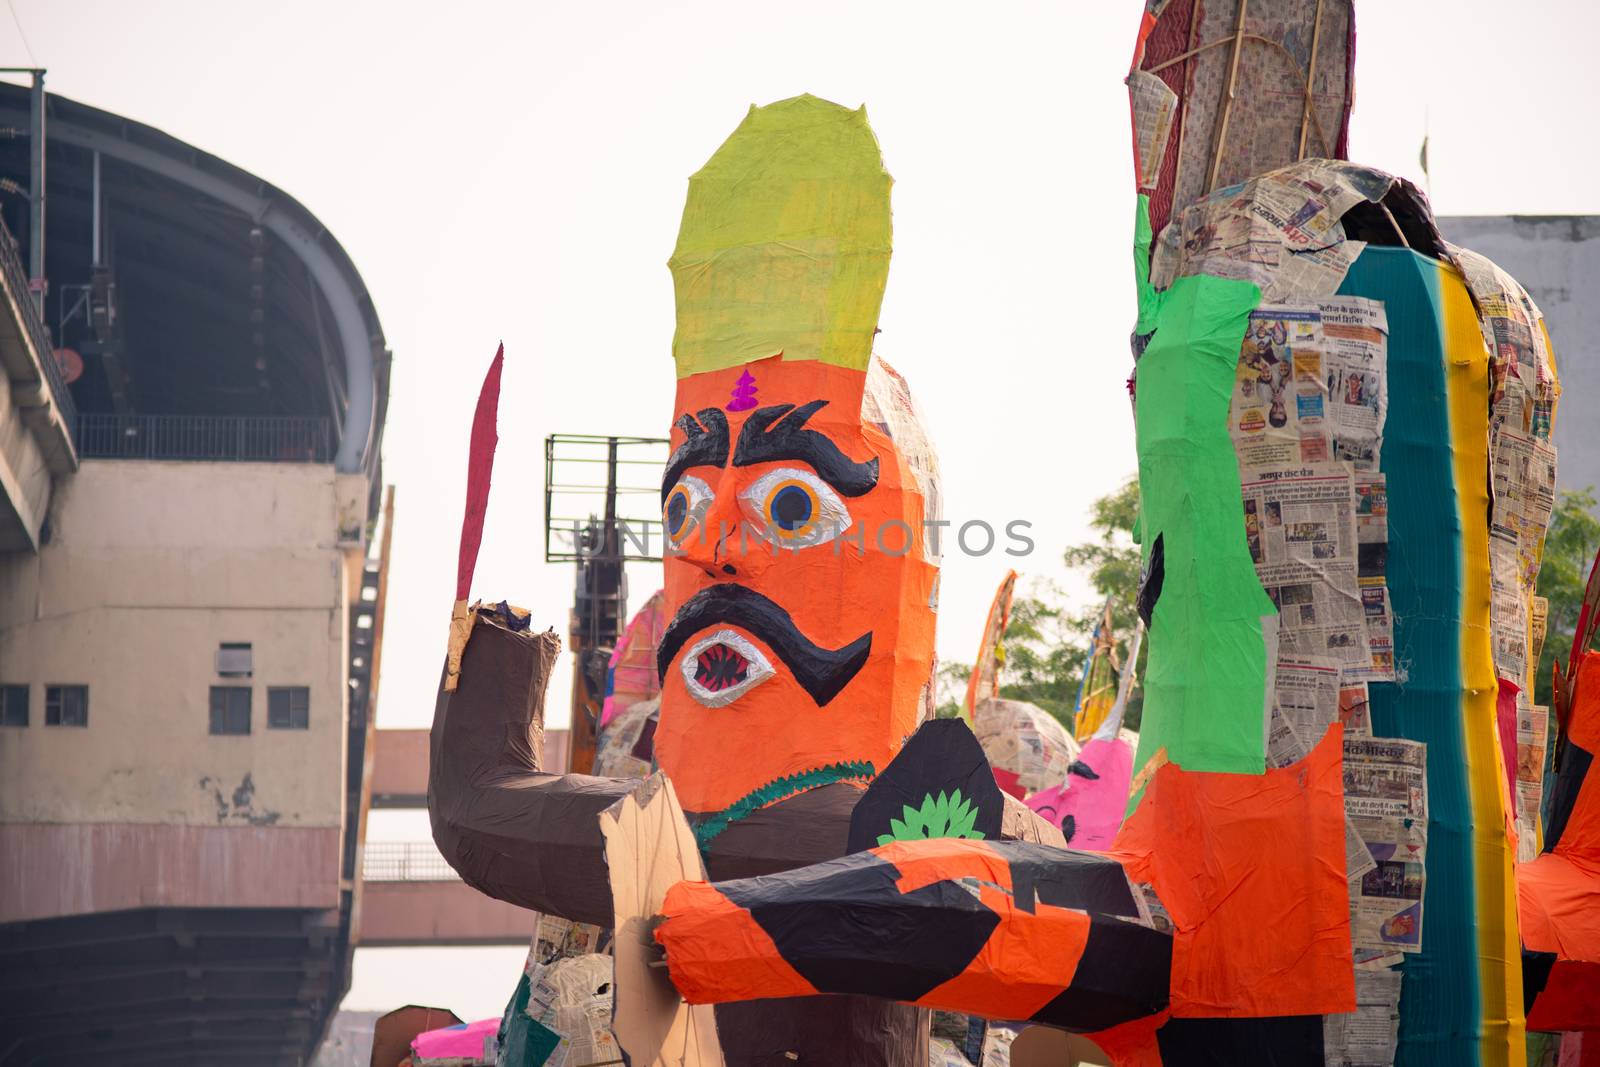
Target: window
[289,708]
[66,705]
[13,705]
[235,659]
[230,709]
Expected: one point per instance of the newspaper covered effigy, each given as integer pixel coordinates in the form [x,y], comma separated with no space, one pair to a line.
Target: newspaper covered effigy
[532,1031]
[572,998]
[1306,418]
[1280,231]
[1524,394]
[626,748]
[1024,740]
[1254,264]
[1368,1036]
[1385,784]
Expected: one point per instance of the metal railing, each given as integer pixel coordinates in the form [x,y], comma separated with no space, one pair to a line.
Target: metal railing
[17,282]
[256,438]
[405,861]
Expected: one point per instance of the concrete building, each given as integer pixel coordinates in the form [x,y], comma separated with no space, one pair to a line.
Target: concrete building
[190,420]
[1557,258]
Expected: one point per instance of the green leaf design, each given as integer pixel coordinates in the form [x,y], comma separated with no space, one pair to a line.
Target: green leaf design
[943,816]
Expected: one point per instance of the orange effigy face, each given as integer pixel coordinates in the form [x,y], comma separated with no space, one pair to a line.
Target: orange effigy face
[798,588]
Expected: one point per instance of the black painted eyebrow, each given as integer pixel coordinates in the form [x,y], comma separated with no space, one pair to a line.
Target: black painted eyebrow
[705,444]
[760,441]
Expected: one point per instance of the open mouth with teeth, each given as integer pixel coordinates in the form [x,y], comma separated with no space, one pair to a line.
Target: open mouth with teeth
[722,667]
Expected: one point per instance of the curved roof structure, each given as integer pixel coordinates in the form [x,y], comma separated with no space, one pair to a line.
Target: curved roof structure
[226,296]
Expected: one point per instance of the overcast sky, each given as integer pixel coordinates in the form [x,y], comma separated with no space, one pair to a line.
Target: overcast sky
[516,172]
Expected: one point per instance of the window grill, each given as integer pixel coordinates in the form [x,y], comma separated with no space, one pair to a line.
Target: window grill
[66,705]
[230,709]
[289,707]
[13,705]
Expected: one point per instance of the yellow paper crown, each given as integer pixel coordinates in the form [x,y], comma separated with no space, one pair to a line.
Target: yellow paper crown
[785,241]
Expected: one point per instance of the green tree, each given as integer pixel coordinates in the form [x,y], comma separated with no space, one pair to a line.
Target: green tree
[1046,643]
[1569,548]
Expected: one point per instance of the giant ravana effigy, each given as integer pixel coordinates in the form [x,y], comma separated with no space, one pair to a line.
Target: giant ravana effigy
[1345,472]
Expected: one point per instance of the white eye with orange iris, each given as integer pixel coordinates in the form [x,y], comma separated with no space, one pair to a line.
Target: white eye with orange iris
[685,508]
[794,507]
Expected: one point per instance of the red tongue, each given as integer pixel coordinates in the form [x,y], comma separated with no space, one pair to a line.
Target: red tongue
[719,667]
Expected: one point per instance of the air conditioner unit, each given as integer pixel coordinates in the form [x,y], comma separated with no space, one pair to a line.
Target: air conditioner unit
[235,659]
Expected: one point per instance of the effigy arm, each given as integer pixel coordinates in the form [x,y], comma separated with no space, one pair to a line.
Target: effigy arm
[509,829]
[1002,929]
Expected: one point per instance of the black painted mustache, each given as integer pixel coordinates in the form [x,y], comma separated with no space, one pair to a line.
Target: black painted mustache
[820,672]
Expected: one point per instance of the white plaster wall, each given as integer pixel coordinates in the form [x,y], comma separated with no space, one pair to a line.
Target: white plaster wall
[149,566]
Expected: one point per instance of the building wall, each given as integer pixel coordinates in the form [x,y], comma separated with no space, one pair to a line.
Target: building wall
[24,476]
[1557,259]
[149,566]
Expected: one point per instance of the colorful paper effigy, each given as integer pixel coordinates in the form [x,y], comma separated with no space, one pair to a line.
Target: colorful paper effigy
[984,681]
[1081,789]
[631,673]
[1097,689]
[784,935]
[1353,388]
[1028,749]
[625,747]
[1558,893]
[1345,472]
[462,1045]
[800,594]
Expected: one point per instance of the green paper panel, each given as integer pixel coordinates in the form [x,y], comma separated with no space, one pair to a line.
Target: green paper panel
[1149,299]
[1205,684]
